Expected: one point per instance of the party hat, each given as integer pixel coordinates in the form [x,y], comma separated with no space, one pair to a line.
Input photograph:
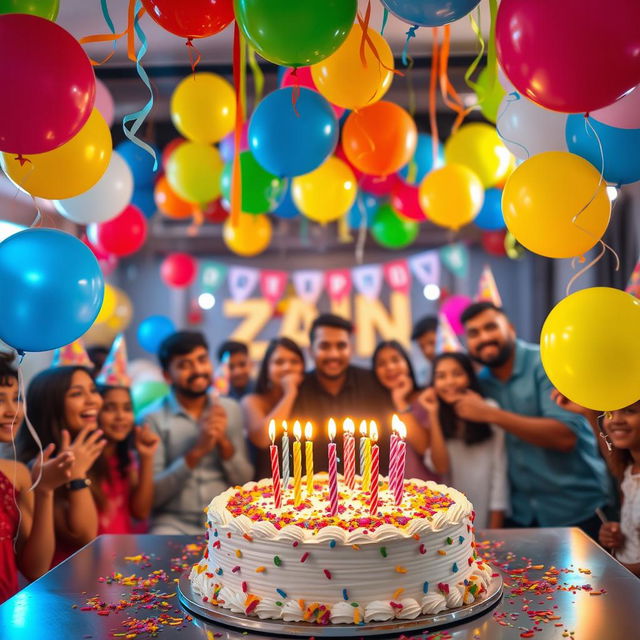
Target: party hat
[487,288]
[446,339]
[72,355]
[114,370]
[633,286]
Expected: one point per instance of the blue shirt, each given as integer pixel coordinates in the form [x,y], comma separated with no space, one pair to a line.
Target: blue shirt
[548,488]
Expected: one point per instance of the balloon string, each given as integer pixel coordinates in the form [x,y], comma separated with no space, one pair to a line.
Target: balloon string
[411,33]
[366,40]
[295,92]
[243,76]
[362,231]
[433,120]
[344,237]
[385,17]
[236,177]
[411,98]
[194,60]
[449,94]
[256,72]
[196,223]
[514,96]
[476,26]
[603,249]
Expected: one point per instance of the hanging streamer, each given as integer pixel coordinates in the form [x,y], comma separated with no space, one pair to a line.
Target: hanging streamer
[198,56]
[243,77]
[366,40]
[236,177]
[433,85]
[411,33]
[491,69]
[258,76]
[385,17]
[447,90]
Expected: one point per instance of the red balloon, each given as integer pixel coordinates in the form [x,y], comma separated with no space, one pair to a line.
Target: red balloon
[378,185]
[493,242]
[178,270]
[215,212]
[48,85]
[573,56]
[192,18]
[122,235]
[169,149]
[405,201]
[303,78]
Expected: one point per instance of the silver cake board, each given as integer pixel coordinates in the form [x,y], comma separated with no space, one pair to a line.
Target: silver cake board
[243,623]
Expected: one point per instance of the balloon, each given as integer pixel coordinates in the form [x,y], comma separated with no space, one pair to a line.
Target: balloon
[430,13]
[422,161]
[105,200]
[203,107]
[144,394]
[140,162]
[512,247]
[193,19]
[326,193]
[489,97]
[623,113]
[104,102]
[122,314]
[99,333]
[193,172]
[49,86]
[178,270]
[527,129]
[249,237]
[295,35]
[123,235]
[494,243]
[153,330]
[290,139]
[108,307]
[287,208]
[451,196]
[108,264]
[391,231]
[169,203]
[452,308]
[169,149]
[47,9]
[543,197]
[52,289]
[557,64]
[363,210]
[301,77]
[490,217]
[143,199]
[584,332]
[614,152]
[346,80]
[227,144]
[405,201]
[478,146]
[378,185]
[261,190]
[379,139]
[67,171]
[215,212]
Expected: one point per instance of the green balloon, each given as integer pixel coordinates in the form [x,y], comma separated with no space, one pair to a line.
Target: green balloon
[44,8]
[391,231]
[146,393]
[261,190]
[295,33]
[492,95]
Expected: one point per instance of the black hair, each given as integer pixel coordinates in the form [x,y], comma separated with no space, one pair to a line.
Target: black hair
[231,347]
[474,432]
[426,324]
[123,448]
[179,344]
[394,344]
[477,308]
[330,320]
[7,370]
[262,381]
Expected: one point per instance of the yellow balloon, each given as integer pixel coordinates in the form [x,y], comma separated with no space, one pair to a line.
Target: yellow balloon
[68,170]
[590,348]
[123,312]
[203,107]
[108,304]
[478,146]
[544,204]
[344,80]
[451,196]
[250,236]
[194,170]
[326,193]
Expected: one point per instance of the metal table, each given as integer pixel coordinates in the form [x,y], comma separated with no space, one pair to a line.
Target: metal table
[51,607]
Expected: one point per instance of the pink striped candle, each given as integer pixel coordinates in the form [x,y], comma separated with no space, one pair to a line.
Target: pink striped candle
[401,451]
[333,470]
[393,455]
[349,453]
[275,467]
[375,472]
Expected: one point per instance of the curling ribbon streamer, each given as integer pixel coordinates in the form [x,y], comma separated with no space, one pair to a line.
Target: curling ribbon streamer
[491,69]
[366,40]
[411,33]
[198,56]
[256,72]
[236,177]
[433,85]
[385,17]
[449,94]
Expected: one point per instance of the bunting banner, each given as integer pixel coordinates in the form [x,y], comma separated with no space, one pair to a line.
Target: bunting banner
[446,339]
[367,280]
[426,267]
[212,275]
[273,285]
[456,258]
[308,284]
[338,284]
[633,286]
[242,282]
[398,276]
[487,288]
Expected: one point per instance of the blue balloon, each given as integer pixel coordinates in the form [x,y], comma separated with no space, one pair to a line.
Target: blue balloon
[422,160]
[143,199]
[140,162]
[430,13]
[290,140]
[52,289]
[365,203]
[153,330]
[286,209]
[620,148]
[490,217]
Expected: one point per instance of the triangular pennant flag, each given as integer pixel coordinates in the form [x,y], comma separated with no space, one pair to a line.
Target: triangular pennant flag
[308,285]
[426,267]
[212,275]
[114,370]
[338,284]
[367,279]
[273,285]
[487,288]
[446,339]
[633,286]
[242,282]
[398,276]
[73,354]
[456,258]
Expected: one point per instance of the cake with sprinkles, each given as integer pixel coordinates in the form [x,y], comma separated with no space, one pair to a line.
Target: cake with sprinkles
[300,563]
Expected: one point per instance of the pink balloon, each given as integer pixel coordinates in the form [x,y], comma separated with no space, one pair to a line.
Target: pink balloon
[623,113]
[573,56]
[108,265]
[104,102]
[405,201]
[378,185]
[303,78]
[452,308]
[48,85]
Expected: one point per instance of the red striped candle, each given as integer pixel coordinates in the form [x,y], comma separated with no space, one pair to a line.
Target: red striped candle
[375,472]
[333,470]
[349,453]
[275,467]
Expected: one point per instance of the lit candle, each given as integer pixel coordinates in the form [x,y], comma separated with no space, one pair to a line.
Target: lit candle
[349,454]
[366,474]
[308,456]
[333,470]
[285,456]
[393,454]
[275,467]
[297,464]
[401,450]
[363,435]
[375,470]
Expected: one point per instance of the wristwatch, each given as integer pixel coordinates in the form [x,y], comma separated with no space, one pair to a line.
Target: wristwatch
[79,483]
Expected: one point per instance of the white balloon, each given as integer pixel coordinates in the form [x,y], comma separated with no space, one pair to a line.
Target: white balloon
[527,128]
[105,200]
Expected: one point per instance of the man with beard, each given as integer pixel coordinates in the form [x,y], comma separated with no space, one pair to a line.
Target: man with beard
[556,476]
[202,447]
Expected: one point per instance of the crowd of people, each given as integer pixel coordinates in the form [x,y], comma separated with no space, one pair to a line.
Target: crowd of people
[487,422]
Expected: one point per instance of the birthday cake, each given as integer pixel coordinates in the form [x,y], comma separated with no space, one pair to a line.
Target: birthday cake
[302,564]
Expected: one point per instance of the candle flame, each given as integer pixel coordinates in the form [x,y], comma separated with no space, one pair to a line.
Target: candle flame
[394,423]
[348,426]
[401,429]
[272,430]
[332,429]
[297,430]
[308,430]
[363,429]
[285,426]
[373,431]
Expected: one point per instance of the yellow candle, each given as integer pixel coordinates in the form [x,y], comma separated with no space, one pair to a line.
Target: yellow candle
[308,456]
[297,465]
[366,476]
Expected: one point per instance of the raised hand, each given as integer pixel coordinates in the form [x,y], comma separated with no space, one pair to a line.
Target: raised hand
[429,401]
[86,448]
[291,381]
[472,406]
[55,471]
[568,405]
[400,392]
[146,441]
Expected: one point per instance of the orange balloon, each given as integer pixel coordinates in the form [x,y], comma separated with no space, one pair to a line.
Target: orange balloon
[169,203]
[379,139]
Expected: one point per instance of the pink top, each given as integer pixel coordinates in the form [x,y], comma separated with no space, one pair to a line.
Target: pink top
[8,527]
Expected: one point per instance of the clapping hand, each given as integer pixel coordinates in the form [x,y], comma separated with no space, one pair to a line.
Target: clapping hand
[56,471]
[146,441]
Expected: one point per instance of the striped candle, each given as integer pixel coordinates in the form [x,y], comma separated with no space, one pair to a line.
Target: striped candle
[333,470]
[375,472]
[393,456]
[285,456]
[349,454]
[275,467]
[363,435]
[398,490]
[308,456]
[297,465]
